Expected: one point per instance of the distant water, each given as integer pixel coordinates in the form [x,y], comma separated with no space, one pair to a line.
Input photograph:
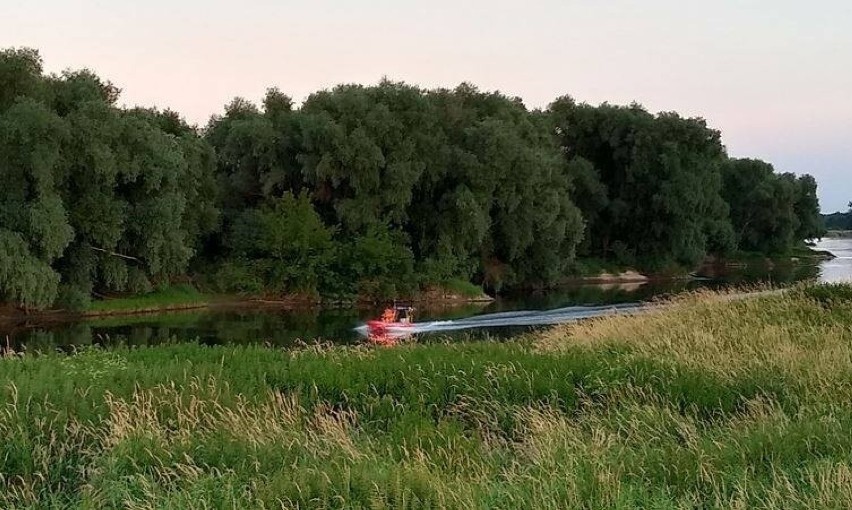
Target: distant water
[839,269]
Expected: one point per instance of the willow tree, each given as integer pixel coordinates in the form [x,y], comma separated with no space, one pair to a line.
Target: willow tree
[649,186]
[129,187]
[807,209]
[499,202]
[99,195]
[770,212]
[34,222]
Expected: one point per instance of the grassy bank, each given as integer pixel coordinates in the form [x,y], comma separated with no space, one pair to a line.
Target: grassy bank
[705,404]
[453,292]
[168,298]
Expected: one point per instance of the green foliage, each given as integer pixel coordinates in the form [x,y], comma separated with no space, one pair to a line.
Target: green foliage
[462,288]
[237,276]
[770,212]
[648,186]
[72,298]
[20,75]
[660,190]
[24,278]
[449,182]
[806,209]
[255,152]
[829,294]
[137,282]
[594,267]
[380,263]
[167,297]
[289,245]
[365,149]
[449,179]
[30,141]
[838,220]
[656,411]
[376,190]
[96,192]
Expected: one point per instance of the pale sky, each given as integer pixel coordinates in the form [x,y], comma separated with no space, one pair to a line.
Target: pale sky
[775,76]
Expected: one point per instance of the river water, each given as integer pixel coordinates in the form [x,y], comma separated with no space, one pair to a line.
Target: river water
[840,268]
[506,316]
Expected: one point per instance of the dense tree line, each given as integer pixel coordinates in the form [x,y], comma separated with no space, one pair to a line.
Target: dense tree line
[376,191]
[839,220]
[410,186]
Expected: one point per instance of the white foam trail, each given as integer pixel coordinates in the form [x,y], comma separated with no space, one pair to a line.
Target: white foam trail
[516,318]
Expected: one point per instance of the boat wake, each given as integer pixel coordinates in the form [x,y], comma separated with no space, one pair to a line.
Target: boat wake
[514,319]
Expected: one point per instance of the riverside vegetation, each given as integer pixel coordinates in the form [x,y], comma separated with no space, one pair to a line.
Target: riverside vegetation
[361,191]
[839,222]
[707,402]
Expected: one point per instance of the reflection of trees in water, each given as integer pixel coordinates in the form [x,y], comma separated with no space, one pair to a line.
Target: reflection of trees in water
[778,274]
[280,328]
[63,337]
[236,327]
[591,294]
[287,328]
[277,328]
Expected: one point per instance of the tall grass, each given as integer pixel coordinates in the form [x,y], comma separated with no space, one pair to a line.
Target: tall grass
[708,403]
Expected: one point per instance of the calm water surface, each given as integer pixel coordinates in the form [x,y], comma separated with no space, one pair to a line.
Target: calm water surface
[289,328]
[839,269]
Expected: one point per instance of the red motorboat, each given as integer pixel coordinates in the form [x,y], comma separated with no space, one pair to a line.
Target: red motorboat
[395,323]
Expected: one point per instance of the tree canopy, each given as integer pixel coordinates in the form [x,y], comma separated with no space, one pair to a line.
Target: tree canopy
[649,186]
[95,198]
[769,211]
[361,190]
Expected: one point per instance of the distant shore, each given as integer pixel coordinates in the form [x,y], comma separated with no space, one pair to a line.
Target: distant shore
[839,234]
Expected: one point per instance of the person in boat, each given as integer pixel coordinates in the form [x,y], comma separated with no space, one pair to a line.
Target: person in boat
[404,314]
[400,314]
[386,329]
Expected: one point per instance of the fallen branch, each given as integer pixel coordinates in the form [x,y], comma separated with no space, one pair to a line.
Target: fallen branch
[115,254]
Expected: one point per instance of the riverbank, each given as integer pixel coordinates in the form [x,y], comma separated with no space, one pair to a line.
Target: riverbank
[800,255]
[729,403]
[596,272]
[451,293]
[186,297]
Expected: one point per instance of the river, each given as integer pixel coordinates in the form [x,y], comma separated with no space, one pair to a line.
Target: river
[506,316]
